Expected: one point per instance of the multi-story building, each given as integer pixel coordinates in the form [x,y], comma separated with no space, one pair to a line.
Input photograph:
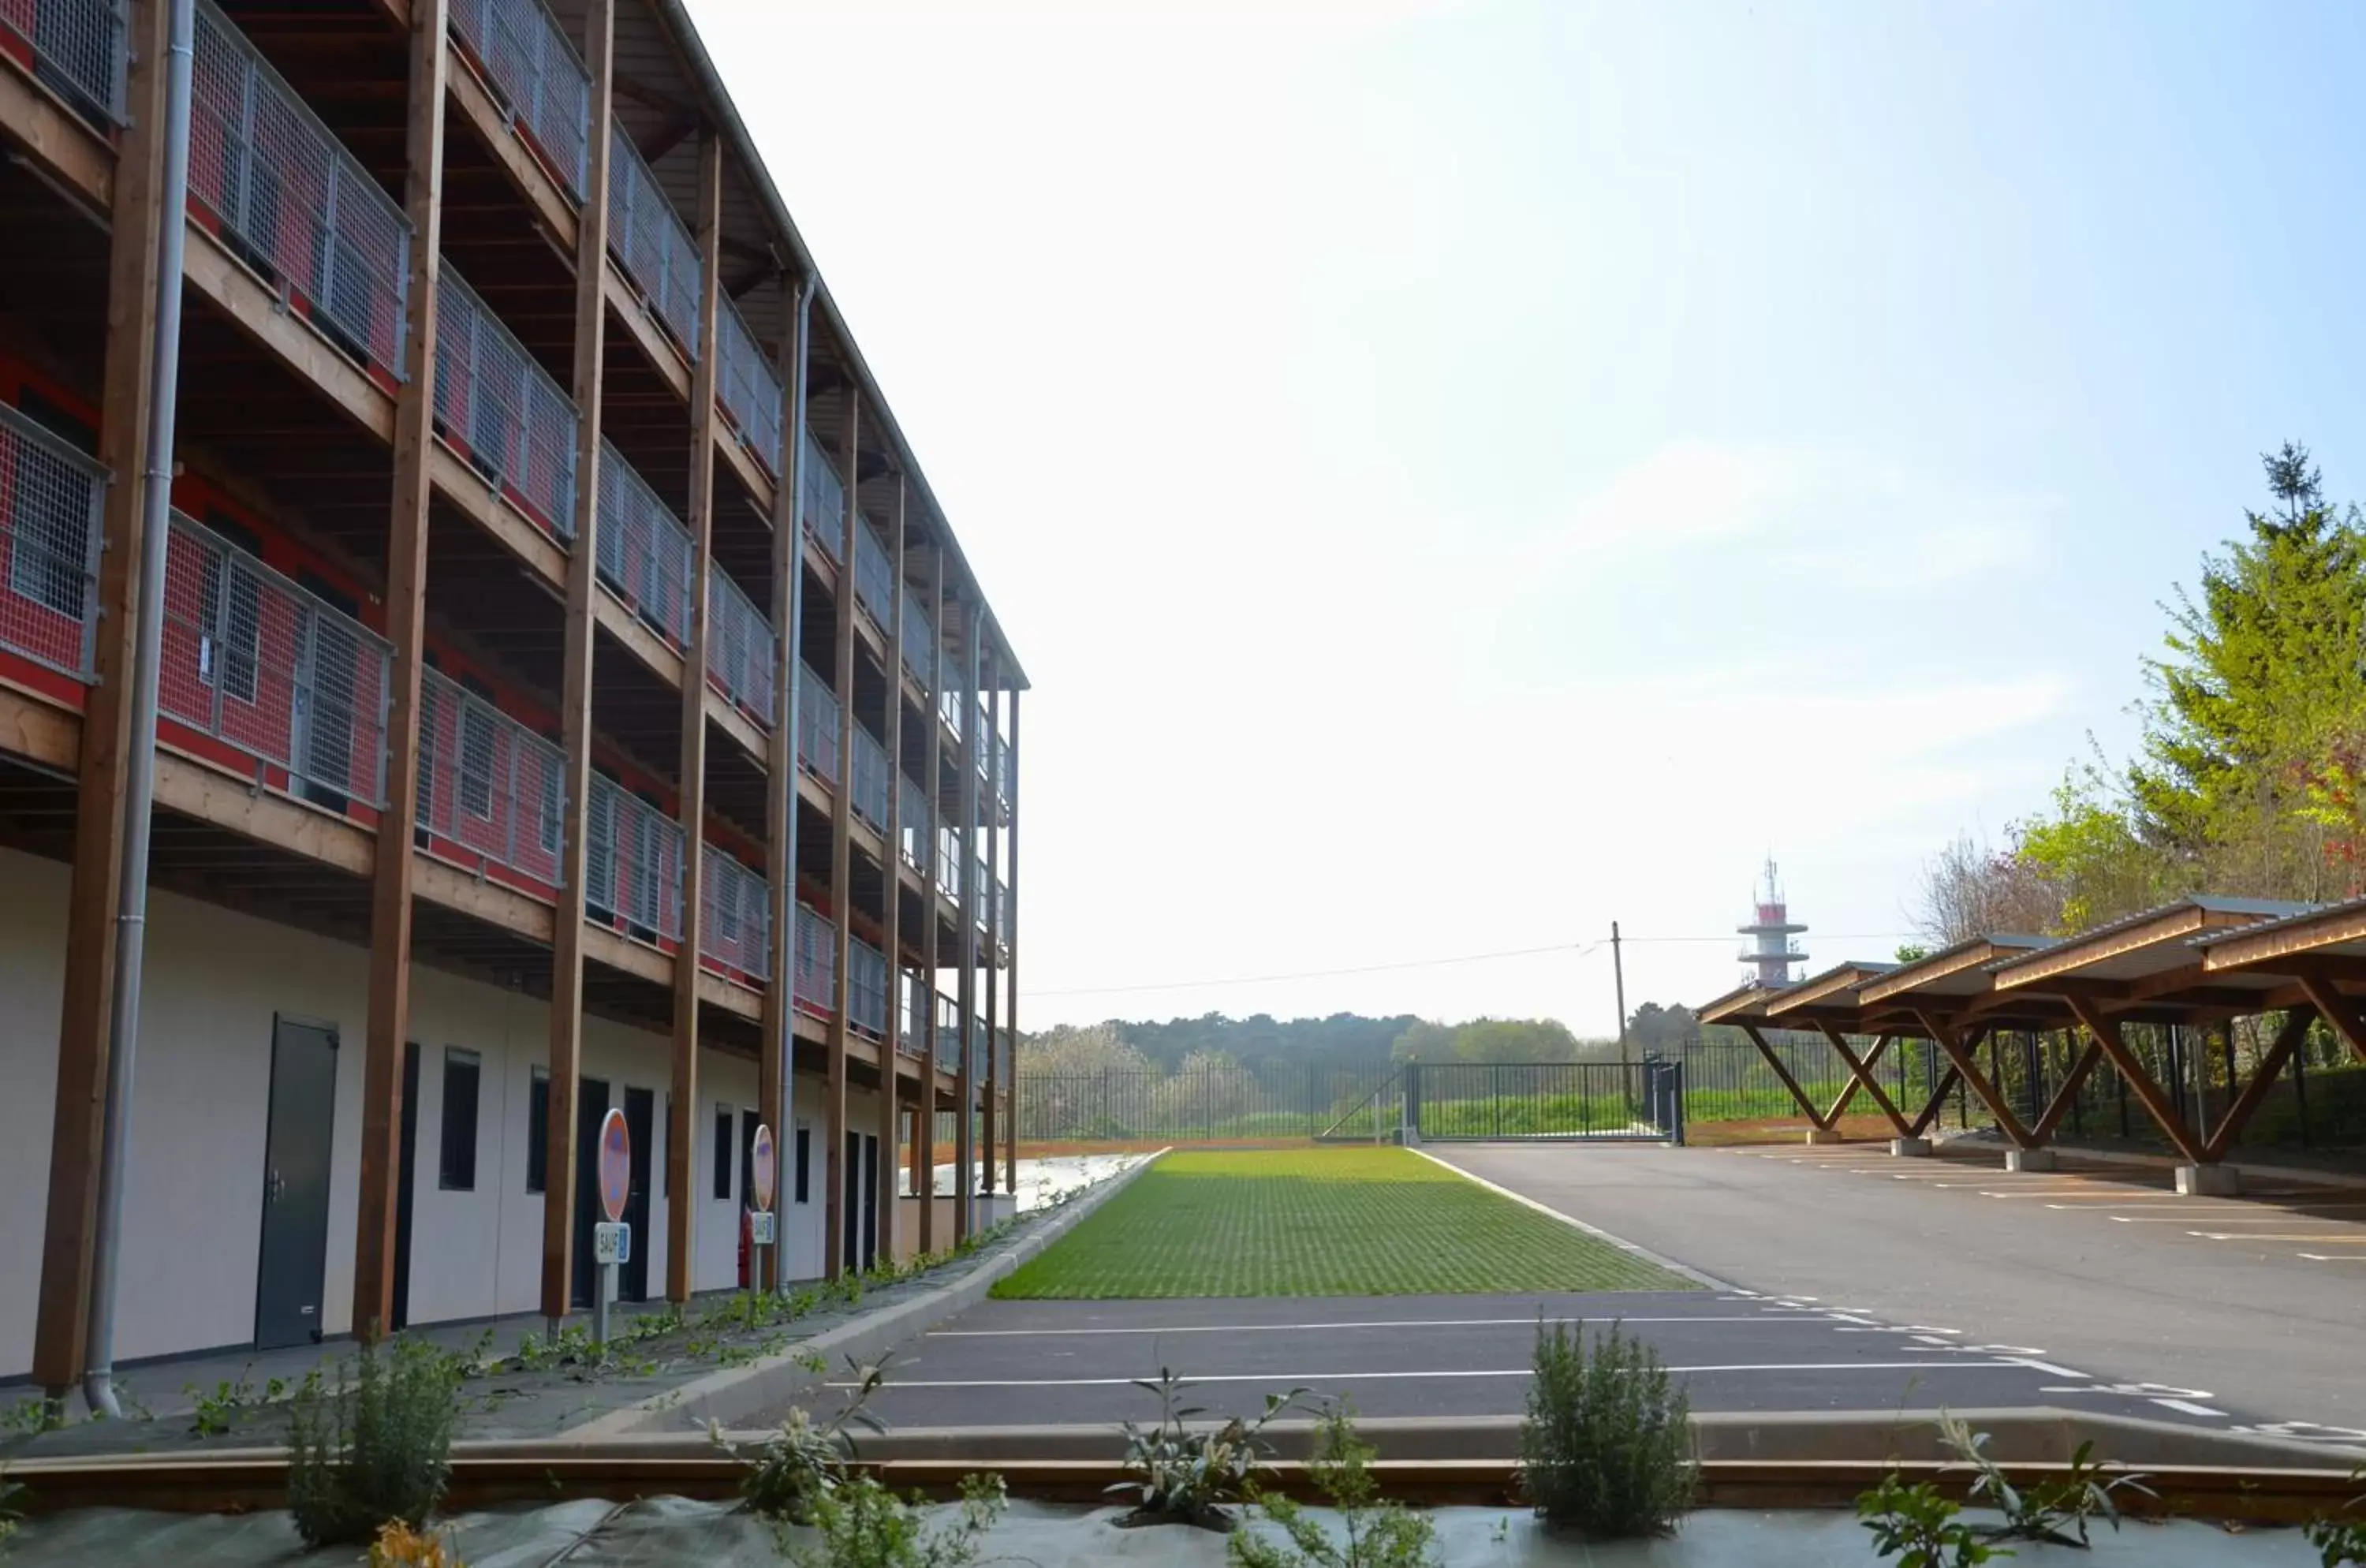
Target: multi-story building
[571,692]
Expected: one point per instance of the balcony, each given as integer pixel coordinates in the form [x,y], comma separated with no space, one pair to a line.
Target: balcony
[646,554]
[746,387]
[51,497]
[77,48]
[500,410]
[270,181]
[740,649]
[949,860]
[874,575]
[871,774]
[917,825]
[525,56]
[866,987]
[949,1035]
[816,975]
[949,705]
[735,929]
[633,864]
[491,793]
[818,728]
[822,500]
[256,664]
[911,1033]
[650,242]
[919,645]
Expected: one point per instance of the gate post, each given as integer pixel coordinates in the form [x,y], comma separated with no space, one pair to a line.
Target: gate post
[1412,1103]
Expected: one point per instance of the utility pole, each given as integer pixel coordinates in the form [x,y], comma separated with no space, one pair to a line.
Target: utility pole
[1619,977]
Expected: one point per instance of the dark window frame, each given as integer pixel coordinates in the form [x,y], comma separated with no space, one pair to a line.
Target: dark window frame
[538,1131]
[464,1078]
[726,1147]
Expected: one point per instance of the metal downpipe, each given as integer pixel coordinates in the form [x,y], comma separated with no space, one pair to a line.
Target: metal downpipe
[140,783]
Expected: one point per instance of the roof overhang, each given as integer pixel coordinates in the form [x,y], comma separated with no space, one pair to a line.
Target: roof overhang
[2145,955]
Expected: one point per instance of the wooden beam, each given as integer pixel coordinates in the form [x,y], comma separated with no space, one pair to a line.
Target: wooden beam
[1010,975]
[569,936]
[683,1195]
[775,1061]
[990,972]
[70,1226]
[1959,1047]
[58,141]
[2066,1093]
[34,729]
[527,177]
[2263,1078]
[1861,1072]
[2338,1010]
[382,1153]
[840,875]
[891,882]
[933,771]
[2106,1030]
[964,1070]
[1784,1073]
[1931,1108]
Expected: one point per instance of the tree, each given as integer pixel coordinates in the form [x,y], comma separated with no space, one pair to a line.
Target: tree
[1423,1041]
[1970,890]
[1515,1040]
[1655,1028]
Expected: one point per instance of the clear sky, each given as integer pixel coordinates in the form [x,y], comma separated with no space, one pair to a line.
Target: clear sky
[1458,474]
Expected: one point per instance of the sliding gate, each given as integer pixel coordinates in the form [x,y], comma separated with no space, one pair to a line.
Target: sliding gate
[1568,1101]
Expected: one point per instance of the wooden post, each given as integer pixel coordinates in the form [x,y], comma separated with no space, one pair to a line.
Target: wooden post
[1010,974]
[841,875]
[681,1136]
[2106,1030]
[776,1059]
[564,1046]
[991,971]
[965,1130]
[70,1226]
[891,882]
[930,957]
[382,1153]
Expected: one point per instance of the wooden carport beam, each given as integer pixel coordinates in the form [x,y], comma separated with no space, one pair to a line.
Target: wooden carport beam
[1861,1073]
[2059,1106]
[1931,1107]
[1959,1049]
[2106,1030]
[2336,1010]
[1784,1073]
[2263,1078]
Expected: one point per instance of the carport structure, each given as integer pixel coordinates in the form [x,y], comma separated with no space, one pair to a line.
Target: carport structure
[2196,963]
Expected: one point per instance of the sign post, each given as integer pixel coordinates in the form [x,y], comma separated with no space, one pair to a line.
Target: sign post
[763,1170]
[612,1242]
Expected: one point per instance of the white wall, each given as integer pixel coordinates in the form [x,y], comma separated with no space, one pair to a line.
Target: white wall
[214,981]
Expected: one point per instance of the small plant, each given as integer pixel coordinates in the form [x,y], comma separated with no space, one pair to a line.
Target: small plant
[2059,1511]
[1187,1477]
[1378,1534]
[1918,1526]
[215,1411]
[400,1546]
[804,1461]
[1605,1448]
[374,1447]
[864,1525]
[11,1513]
[2341,1540]
[31,1418]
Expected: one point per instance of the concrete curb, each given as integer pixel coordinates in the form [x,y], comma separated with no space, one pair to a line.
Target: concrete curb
[1707,1282]
[740,1392]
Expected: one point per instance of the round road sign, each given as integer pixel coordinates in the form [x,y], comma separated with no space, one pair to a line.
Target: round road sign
[762,1159]
[615,1164]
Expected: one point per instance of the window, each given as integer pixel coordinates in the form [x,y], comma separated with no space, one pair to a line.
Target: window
[476,741]
[805,1160]
[538,1131]
[457,1172]
[723,1141]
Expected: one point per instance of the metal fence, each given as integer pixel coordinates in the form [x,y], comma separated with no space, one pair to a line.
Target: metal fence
[872,775]
[1528,1099]
[745,386]
[500,410]
[822,501]
[538,77]
[875,574]
[739,647]
[50,500]
[268,178]
[74,47]
[915,823]
[259,664]
[1212,1104]
[818,728]
[866,987]
[633,864]
[919,644]
[650,242]
[646,554]
[735,925]
[491,791]
[816,977]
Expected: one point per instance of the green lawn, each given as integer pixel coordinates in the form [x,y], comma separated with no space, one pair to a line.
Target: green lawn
[1323,1222]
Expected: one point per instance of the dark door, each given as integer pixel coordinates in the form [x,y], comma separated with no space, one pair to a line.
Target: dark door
[591,1110]
[870,1200]
[850,1203]
[406,1184]
[640,1113]
[295,1252]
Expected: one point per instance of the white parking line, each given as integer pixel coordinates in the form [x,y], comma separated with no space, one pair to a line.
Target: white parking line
[1325,1328]
[1395,1373]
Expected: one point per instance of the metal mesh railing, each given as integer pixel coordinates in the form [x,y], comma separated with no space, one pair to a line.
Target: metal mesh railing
[916,824]
[74,47]
[948,1033]
[866,989]
[745,386]
[651,243]
[735,915]
[816,977]
[500,409]
[491,791]
[271,180]
[949,862]
[822,504]
[949,703]
[919,639]
[645,555]
[872,777]
[532,66]
[874,575]
[259,664]
[633,863]
[817,726]
[51,497]
[911,1028]
[739,647]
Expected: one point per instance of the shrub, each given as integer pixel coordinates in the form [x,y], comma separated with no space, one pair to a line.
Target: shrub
[1918,1526]
[1378,1534]
[1605,1448]
[374,1447]
[800,1465]
[2342,1539]
[400,1546]
[1187,1477]
[864,1525]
